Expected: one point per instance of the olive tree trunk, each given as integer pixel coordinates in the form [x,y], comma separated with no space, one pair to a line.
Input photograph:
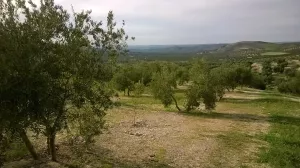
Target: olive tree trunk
[28,144]
[176,104]
[52,147]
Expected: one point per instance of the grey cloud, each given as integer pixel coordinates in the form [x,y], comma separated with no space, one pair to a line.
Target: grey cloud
[201,21]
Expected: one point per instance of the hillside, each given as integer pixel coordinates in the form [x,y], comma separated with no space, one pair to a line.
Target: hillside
[193,48]
[240,50]
[249,45]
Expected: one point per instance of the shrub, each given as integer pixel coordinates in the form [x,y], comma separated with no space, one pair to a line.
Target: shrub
[139,89]
[292,85]
[257,82]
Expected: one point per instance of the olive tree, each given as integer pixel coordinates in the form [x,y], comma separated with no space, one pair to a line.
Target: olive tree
[202,88]
[281,65]
[163,85]
[139,89]
[122,82]
[291,85]
[53,61]
[267,72]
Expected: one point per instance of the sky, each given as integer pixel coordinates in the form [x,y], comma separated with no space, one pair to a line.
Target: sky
[160,22]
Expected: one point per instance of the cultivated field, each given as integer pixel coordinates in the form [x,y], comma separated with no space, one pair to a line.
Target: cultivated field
[273,53]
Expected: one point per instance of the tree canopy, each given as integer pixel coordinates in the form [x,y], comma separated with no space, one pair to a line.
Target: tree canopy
[53,61]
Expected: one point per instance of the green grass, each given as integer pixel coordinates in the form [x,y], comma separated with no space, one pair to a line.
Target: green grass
[273,53]
[235,140]
[284,135]
[148,102]
[283,114]
[160,154]
[283,138]
[16,151]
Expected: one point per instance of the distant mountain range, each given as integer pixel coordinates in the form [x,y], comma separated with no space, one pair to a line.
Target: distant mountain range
[243,49]
[193,48]
[197,48]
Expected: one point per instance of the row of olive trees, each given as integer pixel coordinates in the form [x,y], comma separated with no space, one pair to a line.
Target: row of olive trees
[134,77]
[55,67]
[206,84]
[285,78]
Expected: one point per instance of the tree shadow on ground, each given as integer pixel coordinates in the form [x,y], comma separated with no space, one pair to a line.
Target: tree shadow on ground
[77,156]
[260,100]
[248,117]
[281,119]
[102,157]
[257,100]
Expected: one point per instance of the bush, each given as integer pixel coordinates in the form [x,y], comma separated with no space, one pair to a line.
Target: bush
[85,123]
[257,82]
[139,89]
[291,72]
[16,150]
[291,86]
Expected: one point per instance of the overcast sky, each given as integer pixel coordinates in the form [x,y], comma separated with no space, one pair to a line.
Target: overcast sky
[200,21]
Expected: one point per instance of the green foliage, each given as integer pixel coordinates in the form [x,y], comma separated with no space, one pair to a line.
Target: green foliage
[129,75]
[230,76]
[202,87]
[209,83]
[193,97]
[145,72]
[84,122]
[182,75]
[219,81]
[292,85]
[3,146]
[257,82]
[267,72]
[284,135]
[16,150]
[52,60]
[285,148]
[122,81]
[281,64]
[139,89]
[244,75]
[162,87]
[290,72]
[164,82]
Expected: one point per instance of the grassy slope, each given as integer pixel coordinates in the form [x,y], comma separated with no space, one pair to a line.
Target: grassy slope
[284,135]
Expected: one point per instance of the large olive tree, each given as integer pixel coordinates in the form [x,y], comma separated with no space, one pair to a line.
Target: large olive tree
[52,62]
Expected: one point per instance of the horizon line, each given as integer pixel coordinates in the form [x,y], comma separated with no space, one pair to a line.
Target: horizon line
[215,43]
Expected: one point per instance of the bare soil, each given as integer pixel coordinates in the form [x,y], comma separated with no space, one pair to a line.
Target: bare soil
[142,138]
[180,140]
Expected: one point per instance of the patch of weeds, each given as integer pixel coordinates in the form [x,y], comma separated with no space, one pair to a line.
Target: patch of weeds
[160,154]
[139,100]
[15,151]
[75,164]
[106,165]
[234,140]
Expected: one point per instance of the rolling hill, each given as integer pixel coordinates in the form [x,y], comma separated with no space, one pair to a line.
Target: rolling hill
[243,49]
